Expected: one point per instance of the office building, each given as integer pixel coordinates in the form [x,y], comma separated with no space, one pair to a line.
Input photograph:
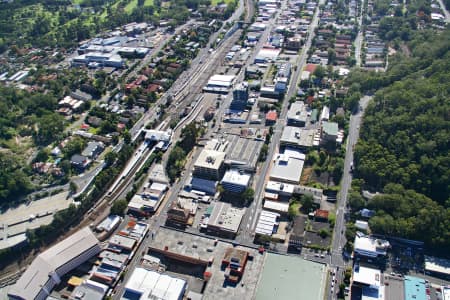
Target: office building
[225,219]
[209,165]
[370,247]
[235,181]
[297,114]
[240,97]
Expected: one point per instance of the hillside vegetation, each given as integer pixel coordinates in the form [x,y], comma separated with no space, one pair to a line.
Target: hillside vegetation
[405,142]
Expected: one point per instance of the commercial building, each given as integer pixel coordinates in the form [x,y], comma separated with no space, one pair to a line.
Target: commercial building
[287,168]
[369,282]
[415,288]
[267,223]
[99,59]
[148,200]
[297,114]
[144,284]
[370,247]
[209,164]
[445,292]
[240,97]
[161,138]
[242,150]
[119,243]
[294,43]
[267,55]
[109,224]
[205,186]
[219,83]
[235,181]
[437,266]
[291,277]
[46,270]
[225,219]
[300,138]
[330,131]
[279,188]
[234,262]
[89,290]
[181,210]
[276,206]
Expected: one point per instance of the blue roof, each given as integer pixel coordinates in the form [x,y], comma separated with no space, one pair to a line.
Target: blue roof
[415,288]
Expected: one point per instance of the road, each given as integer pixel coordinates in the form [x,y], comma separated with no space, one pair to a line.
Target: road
[250,219]
[359,37]
[339,240]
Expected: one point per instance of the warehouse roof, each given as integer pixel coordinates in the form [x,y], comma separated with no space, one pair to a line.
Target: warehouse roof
[41,269]
[284,277]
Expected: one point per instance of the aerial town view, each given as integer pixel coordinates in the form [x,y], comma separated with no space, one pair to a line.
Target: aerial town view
[225,149]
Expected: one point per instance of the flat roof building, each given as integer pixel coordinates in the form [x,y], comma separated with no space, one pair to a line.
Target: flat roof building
[369,280]
[89,290]
[279,188]
[287,169]
[46,270]
[370,247]
[298,137]
[209,164]
[234,262]
[145,284]
[117,243]
[290,277]
[235,181]
[438,266]
[415,288]
[225,219]
[297,114]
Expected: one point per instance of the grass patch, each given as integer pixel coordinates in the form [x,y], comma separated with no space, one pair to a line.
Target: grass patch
[215,2]
[130,6]
[148,3]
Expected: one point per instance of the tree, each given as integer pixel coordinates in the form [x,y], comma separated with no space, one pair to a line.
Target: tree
[73,187]
[110,158]
[119,207]
[324,233]
[307,202]
[49,127]
[356,201]
[320,72]
[248,195]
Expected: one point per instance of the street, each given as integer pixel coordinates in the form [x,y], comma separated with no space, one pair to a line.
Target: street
[339,240]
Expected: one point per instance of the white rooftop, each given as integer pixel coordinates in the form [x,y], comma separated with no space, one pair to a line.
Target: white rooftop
[266,222]
[210,159]
[368,246]
[277,206]
[287,169]
[367,276]
[152,285]
[279,187]
[236,177]
[439,265]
